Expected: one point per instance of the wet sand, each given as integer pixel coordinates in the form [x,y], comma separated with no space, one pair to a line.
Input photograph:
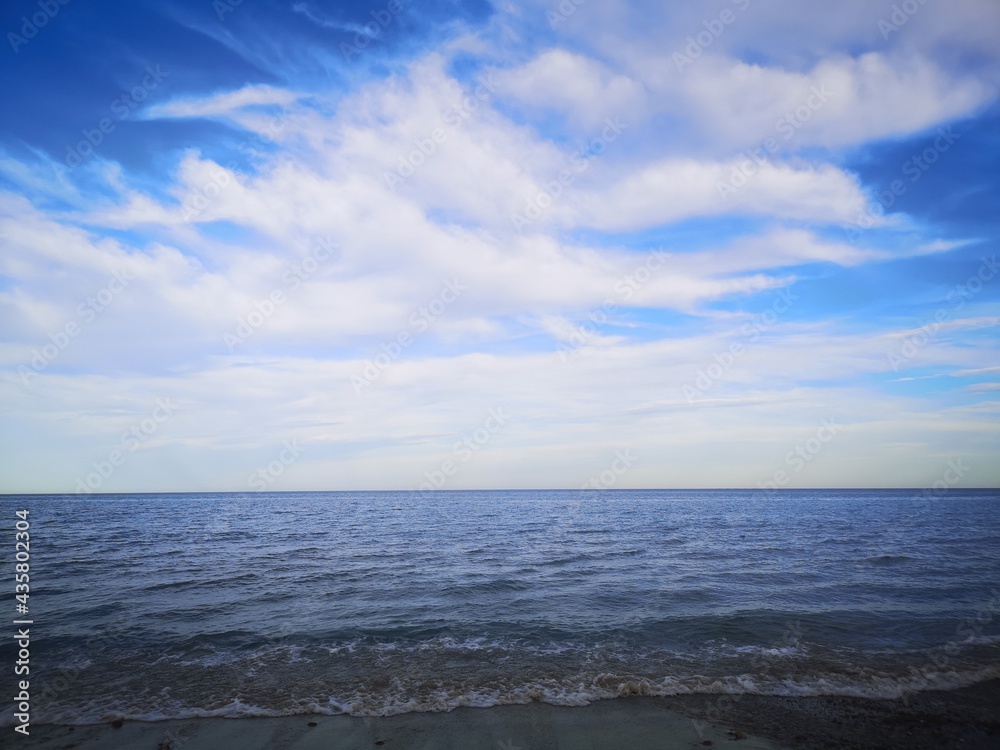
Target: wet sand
[968,718]
[630,724]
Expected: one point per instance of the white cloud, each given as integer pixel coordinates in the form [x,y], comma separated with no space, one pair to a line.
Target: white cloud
[624,395]
[675,189]
[198,272]
[792,37]
[582,89]
[221,105]
[840,102]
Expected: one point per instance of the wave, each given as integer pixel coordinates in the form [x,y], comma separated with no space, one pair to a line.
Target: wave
[409,695]
[492,586]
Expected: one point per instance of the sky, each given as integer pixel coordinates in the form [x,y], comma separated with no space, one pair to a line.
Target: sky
[260,245]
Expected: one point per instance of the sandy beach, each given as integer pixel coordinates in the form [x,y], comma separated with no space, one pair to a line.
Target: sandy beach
[638,724]
[956,719]
[931,720]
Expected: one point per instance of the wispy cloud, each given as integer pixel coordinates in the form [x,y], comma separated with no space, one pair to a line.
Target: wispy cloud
[223,104]
[327,23]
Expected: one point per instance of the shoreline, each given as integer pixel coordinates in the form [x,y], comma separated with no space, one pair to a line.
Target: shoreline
[619,724]
[964,718]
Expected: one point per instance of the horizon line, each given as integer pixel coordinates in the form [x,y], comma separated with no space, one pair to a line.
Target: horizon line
[929,490]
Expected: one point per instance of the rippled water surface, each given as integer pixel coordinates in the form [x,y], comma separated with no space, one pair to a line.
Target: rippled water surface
[153,606]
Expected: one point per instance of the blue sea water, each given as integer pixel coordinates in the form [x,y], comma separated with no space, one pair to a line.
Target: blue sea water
[374,603]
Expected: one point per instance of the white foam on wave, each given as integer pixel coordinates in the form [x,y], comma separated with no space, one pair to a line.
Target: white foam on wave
[407,697]
[470,644]
[214,659]
[790,651]
[981,640]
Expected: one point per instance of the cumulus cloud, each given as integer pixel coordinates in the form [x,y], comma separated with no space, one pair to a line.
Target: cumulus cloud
[676,189]
[582,89]
[841,101]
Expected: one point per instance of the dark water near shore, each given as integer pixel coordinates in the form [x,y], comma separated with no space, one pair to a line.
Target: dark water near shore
[155,606]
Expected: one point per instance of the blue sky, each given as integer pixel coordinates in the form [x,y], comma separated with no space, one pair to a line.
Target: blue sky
[310,245]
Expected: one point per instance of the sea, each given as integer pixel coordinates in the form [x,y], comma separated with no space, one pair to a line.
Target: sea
[158,606]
